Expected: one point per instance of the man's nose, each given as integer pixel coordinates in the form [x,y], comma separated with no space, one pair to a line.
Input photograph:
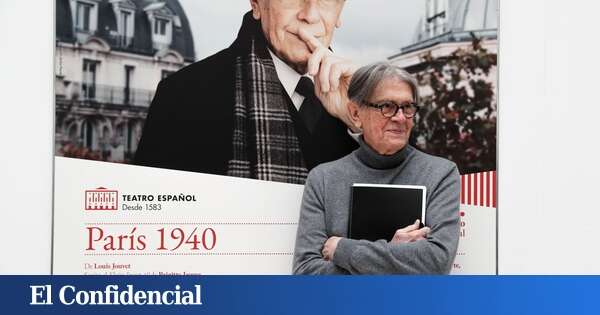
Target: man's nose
[399,117]
[310,12]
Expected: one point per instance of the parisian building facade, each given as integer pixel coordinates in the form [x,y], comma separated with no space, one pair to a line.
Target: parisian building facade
[110,56]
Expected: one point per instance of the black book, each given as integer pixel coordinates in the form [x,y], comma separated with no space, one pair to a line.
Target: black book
[377,211]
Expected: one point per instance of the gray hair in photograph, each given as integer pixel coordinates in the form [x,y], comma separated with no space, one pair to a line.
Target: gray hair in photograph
[365,80]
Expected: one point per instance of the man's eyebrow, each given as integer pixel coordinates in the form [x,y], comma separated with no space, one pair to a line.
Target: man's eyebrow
[387,100]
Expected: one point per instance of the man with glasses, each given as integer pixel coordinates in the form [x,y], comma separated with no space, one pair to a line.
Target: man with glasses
[383,102]
[271,106]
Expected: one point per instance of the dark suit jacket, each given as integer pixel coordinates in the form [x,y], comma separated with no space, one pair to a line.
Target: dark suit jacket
[190,121]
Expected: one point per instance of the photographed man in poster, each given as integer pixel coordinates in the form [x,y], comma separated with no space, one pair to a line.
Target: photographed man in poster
[271,106]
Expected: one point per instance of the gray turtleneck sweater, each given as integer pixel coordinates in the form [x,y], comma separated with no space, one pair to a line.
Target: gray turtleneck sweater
[325,213]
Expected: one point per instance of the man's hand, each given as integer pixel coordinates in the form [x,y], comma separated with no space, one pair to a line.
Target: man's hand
[410,233]
[329,247]
[332,76]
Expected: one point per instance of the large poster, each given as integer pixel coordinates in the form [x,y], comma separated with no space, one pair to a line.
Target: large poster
[212,88]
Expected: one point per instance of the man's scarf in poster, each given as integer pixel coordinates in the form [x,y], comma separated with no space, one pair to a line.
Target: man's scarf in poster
[265,144]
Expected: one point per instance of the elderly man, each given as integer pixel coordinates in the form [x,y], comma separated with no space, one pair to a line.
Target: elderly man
[383,104]
[252,110]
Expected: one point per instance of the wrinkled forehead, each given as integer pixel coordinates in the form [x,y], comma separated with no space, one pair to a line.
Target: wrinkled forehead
[392,88]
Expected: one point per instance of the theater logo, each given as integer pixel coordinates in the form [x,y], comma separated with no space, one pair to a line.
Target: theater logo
[101,199]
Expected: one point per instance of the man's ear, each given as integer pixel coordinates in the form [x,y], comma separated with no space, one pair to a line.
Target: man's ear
[255,9]
[354,115]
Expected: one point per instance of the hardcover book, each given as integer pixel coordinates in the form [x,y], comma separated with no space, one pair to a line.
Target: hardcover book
[377,211]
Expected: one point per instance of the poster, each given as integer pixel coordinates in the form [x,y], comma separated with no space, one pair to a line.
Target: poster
[160,224]
[111,55]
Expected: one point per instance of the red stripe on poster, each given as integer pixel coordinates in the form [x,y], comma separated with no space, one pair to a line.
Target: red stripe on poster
[469,189]
[487,191]
[478,189]
[462,189]
[475,201]
[482,187]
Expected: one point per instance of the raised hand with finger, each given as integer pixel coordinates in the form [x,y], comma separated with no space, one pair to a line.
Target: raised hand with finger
[331,75]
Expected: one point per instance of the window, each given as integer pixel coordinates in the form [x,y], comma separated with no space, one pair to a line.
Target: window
[89,79]
[121,134]
[125,18]
[129,135]
[83,16]
[436,17]
[127,91]
[160,26]
[86,135]
[125,26]
[162,20]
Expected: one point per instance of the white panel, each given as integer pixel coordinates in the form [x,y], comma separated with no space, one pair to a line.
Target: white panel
[26,136]
[548,138]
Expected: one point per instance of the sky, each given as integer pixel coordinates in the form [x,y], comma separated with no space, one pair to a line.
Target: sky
[371,29]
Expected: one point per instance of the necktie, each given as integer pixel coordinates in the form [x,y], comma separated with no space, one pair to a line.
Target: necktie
[311,107]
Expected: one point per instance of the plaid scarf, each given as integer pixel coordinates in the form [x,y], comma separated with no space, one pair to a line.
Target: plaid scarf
[265,145]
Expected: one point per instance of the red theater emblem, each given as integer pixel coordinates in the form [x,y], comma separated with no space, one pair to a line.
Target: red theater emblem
[101,199]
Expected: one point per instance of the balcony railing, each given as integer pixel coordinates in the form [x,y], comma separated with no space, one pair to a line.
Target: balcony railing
[120,41]
[113,39]
[112,94]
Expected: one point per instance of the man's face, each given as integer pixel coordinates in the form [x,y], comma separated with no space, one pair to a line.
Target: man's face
[281,21]
[387,135]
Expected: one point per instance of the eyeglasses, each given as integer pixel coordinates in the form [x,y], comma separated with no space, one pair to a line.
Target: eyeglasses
[390,109]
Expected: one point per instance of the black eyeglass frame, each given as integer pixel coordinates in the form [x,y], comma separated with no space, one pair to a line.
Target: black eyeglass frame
[382,105]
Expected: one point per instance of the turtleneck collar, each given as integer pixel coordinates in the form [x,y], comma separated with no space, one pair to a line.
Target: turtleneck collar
[372,159]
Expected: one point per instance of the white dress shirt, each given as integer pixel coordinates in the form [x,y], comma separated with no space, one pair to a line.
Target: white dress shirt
[289,78]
